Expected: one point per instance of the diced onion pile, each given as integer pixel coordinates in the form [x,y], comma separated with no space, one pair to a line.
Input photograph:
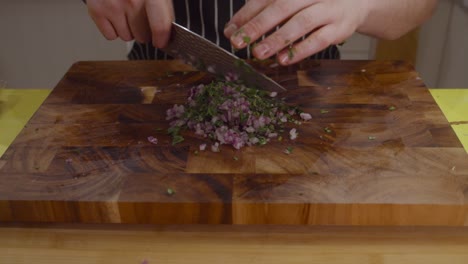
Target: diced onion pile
[229,113]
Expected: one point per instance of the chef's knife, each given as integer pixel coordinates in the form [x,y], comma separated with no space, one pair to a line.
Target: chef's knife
[207,56]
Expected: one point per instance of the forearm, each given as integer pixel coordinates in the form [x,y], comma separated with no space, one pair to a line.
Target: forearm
[392,19]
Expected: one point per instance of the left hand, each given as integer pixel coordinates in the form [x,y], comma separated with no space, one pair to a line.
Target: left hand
[329,22]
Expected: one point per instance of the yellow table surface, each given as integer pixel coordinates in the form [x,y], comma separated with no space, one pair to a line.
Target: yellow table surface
[17,106]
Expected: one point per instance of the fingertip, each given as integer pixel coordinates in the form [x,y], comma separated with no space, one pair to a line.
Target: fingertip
[107,29]
[230,29]
[160,42]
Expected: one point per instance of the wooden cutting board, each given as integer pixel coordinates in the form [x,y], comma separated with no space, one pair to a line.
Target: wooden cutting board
[387,157]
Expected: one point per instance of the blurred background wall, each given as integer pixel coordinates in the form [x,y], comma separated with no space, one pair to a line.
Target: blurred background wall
[40,40]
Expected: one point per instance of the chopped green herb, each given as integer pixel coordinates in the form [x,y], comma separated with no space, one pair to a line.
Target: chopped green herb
[291,51]
[195,152]
[288,150]
[200,65]
[328,130]
[280,138]
[253,46]
[170,191]
[246,40]
[235,158]
[392,108]
[323,111]
[372,138]
[176,139]
[238,32]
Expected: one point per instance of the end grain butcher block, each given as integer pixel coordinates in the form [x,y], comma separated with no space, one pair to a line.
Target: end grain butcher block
[378,151]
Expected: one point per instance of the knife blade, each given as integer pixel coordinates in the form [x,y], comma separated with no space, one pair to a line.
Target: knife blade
[207,56]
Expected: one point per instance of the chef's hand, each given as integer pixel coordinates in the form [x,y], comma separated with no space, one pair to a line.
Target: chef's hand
[142,20]
[328,22]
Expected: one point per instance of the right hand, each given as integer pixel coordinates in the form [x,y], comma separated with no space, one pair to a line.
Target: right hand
[142,20]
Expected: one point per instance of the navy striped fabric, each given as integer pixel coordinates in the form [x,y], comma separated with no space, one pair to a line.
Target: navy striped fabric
[207,18]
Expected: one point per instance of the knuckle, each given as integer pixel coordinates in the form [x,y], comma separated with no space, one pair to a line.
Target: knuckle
[305,20]
[282,6]
[254,28]
[277,41]
[110,36]
[322,39]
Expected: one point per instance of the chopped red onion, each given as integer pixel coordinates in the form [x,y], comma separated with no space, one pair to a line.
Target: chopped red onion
[232,114]
[305,116]
[215,147]
[153,140]
[202,147]
[293,134]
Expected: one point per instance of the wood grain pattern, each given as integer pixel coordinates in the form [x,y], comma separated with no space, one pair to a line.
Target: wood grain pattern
[124,244]
[84,156]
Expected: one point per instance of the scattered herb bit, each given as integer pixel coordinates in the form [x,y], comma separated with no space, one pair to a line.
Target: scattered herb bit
[392,108]
[288,150]
[170,191]
[291,51]
[158,129]
[253,46]
[323,111]
[328,130]
[202,147]
[372,138]
[153,140]
[195,152]
[238,32]
[215,147]
[246,40]
[77,151]
[235,158]
[176,139]
[305,116]
[293,134]
[280,138]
